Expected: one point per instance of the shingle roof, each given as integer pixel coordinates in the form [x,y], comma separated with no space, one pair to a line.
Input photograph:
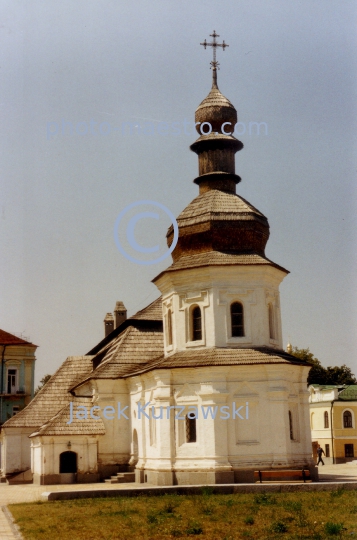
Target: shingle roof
[125,353]
[150,317]
[58,425]
[216,205]
[215,98]
[54,395]
[217,258]
[9,339]
[221,357]
[152,312]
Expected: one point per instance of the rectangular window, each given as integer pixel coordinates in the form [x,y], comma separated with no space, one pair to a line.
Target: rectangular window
[11,381]
[327,450]
[190,429]
[15,410]
[349,450]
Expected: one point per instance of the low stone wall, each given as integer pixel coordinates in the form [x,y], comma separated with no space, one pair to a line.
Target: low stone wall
[196,490]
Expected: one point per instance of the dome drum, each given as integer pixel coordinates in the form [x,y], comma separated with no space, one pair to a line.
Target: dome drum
[247,236]
[216,160]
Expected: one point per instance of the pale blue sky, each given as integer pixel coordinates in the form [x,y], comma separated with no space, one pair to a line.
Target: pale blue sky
[291,65]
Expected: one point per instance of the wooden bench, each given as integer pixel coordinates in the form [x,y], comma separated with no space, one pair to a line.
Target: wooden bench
[278,475]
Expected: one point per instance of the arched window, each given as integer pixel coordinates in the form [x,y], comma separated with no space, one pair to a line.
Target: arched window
[312,420]
[347,419]
[271,322]
[237,319]
[169,327]
[291,426]
[326,422]
[68,462]
[190,429]
[196,324]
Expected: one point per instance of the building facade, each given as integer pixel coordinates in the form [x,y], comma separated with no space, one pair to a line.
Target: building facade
[17,372]
[333,412]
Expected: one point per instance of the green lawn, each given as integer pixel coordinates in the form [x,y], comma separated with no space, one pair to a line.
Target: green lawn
[312,516]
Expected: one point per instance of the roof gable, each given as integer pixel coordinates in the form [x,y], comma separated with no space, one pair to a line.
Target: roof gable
[9,339]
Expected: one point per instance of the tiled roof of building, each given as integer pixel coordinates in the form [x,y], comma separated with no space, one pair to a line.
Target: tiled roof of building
[9,339]
[349,393]
[218,205]
[150,317]
[58,425]
[221,357]
[54,395]
[152,312]
[125,353]
[217,258]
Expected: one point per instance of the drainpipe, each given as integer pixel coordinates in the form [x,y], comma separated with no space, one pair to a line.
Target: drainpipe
[333,450]
[2,381]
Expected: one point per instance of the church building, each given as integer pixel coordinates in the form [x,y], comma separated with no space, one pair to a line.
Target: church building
[195,388]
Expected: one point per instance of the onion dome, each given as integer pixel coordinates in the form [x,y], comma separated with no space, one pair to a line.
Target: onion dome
[215,120]
[218,220]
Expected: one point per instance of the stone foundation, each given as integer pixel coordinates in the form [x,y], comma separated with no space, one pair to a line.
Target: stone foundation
[65,478]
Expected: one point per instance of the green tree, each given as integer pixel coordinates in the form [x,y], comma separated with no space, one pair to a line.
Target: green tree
[43,381]
[317,374]
[320,375]
[340,375]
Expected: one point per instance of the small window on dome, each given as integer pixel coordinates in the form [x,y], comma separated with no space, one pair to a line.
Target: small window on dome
[196,324]
[237,319]
[169,327]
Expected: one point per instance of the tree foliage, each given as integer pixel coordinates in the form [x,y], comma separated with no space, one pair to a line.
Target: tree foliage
[43,381]
[320,375]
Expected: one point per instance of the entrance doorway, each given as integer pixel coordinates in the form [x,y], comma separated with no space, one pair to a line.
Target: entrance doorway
[68,462]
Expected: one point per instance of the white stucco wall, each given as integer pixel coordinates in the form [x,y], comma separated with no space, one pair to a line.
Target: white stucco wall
[15,450]
[270,390]
[214,289]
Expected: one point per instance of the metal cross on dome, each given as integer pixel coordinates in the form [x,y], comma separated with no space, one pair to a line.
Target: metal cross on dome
[214,45]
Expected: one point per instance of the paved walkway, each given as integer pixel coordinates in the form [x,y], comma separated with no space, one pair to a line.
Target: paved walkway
[338,473]
[6,531]
[31,493]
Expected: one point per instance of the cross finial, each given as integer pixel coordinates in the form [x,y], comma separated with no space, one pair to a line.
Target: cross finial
[214,45]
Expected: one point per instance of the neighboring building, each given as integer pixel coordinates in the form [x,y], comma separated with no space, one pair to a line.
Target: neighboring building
[333,413]
[17,373]
[205,361]
[17,370]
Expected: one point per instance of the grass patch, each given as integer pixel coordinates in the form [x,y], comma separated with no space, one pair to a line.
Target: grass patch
[291,516]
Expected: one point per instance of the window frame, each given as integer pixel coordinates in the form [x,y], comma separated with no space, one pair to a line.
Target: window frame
[291,426]
[16,375]
[347,453]
[194,309]
[326,420]
[15,409]
[190,430]
[237,303]
[169,333]
[347,414]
